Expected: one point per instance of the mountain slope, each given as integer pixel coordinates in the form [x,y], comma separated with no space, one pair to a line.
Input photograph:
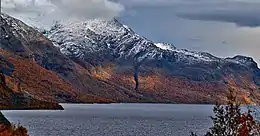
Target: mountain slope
[11,99]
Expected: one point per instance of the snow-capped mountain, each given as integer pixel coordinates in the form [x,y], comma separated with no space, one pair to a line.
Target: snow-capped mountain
[80,39]
[77,38]
[93,36]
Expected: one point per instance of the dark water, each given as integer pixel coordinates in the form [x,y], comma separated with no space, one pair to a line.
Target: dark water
[116,120]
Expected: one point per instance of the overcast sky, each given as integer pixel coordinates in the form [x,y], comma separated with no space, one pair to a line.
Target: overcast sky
[221,27]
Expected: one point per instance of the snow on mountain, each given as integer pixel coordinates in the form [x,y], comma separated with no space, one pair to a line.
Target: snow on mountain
[16,25]
[19,29]
[165,46]
[79,38]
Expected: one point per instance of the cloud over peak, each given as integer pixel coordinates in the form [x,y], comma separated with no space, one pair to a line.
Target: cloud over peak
[47,11]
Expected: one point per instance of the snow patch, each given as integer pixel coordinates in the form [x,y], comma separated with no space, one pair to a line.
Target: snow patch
[164,46]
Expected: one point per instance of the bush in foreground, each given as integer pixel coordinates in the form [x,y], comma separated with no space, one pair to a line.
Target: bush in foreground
[8,129]
[229,120]
[13,130]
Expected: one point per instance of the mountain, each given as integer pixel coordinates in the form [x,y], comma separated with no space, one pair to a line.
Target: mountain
[106,61]
[115,53]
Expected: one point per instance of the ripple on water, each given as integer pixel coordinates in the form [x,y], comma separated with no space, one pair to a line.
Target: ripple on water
[115,120]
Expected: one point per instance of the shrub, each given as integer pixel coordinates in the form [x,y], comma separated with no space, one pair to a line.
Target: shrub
[229,120]
[13,130]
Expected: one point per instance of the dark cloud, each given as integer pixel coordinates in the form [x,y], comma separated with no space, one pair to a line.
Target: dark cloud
[240,12]
[240,20]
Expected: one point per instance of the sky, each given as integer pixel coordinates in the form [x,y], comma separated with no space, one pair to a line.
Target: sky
[224,28]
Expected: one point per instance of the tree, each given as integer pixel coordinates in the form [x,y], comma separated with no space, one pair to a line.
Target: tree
[229,120]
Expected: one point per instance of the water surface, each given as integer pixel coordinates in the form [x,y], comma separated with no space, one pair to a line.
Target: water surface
[115,120]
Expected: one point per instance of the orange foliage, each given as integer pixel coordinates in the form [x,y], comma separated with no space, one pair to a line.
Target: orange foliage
[13,130]
[39,81]
[111,84]
[247,100]
[152,82]
[175,89]
[103,73]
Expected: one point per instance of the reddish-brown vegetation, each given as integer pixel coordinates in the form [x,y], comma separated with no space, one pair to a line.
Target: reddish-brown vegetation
[30,77]
[10,99]
[157,87]
[38,81]
[104,84]
[8,129]
[13,130]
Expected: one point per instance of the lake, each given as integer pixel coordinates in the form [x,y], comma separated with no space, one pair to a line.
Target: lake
[116,120]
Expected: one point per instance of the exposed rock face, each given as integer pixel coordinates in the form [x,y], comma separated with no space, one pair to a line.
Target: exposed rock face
[105,61]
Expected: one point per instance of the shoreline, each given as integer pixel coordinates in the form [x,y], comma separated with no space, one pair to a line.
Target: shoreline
[57,107]
[61,107]
[160,103]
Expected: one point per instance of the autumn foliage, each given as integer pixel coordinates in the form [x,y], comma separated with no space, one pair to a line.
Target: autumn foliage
[230,120]
[8,129]
[13,130]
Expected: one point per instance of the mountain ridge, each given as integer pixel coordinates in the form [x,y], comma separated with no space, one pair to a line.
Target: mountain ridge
[108,60]
[114,27]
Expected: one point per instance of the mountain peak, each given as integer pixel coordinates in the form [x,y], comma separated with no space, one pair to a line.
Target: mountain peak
[248,61]
[165,46]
